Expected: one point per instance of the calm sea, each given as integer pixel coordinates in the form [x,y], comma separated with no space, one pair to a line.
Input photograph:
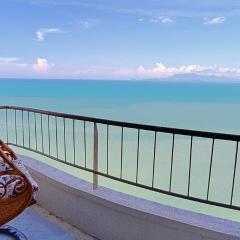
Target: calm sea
[200,106]
[205,106]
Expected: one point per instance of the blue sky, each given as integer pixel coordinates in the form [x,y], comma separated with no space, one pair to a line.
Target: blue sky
[119,39]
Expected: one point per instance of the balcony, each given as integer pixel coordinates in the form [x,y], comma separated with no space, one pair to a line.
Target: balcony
[85,146]
[36,224]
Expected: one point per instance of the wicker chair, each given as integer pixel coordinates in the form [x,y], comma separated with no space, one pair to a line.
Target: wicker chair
[23,189]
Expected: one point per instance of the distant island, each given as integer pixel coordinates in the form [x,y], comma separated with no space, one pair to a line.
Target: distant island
[176,78]
[195,78]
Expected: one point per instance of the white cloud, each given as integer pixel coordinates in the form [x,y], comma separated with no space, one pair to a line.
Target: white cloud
[158,71]
[162,20]
[41,33]
[161,70]
[15,67]
[140,19]
[42,65]
[11,62]
[8,60]
[87,23]
[215,20]
[184,8]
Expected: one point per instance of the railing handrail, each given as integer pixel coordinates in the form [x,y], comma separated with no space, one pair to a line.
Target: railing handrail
[25,127]
[179,131]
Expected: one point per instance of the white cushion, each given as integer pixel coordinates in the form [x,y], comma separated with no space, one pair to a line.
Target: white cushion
[12,181]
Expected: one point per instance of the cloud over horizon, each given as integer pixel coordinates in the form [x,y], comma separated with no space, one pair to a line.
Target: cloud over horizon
[8,59]
[41,66]
[11,62]
[14,65]
[161,70]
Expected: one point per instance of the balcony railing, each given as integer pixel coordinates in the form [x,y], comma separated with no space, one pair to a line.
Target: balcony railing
[205,169]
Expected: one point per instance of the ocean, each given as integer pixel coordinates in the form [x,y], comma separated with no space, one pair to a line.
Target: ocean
[191,105]
[201,106]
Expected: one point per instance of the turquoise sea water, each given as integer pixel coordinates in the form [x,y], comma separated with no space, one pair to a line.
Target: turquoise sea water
[200,106]
[206,106]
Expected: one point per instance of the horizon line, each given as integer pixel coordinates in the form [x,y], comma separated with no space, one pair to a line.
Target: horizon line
[217,79]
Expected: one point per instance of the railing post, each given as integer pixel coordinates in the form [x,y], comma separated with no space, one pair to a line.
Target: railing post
[6,121]
[95,157]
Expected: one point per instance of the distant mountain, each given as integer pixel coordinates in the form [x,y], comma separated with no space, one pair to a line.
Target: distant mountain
[195,78]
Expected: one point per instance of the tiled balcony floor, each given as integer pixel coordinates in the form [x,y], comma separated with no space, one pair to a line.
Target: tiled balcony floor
[37,224]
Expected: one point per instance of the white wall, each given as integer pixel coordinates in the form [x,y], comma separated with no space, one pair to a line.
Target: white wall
[107,214]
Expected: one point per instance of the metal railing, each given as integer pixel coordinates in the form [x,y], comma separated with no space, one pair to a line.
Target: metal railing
[48,133]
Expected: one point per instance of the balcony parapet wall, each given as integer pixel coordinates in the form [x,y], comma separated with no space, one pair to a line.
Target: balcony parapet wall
[107,214]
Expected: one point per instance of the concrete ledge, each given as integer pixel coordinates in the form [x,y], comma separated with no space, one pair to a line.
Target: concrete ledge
[107,214]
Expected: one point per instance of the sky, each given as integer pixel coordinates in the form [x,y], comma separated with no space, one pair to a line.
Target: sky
[119,39]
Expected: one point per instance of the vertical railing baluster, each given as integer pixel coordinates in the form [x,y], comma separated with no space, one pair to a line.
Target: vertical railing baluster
[35,123]
[210,169]
[121,153]
[234,173]
[16,134]
[64,136]
[138,139]
[42,133]
[74,151]
[85,147]
[29,136]
[95,157]
[6,118]
[23,132]
[172,157]
[107,145]
[154,157]
[56,135]
[190,166]
[49,137]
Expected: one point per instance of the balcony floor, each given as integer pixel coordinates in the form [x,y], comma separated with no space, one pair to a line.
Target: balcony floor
[37,224]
